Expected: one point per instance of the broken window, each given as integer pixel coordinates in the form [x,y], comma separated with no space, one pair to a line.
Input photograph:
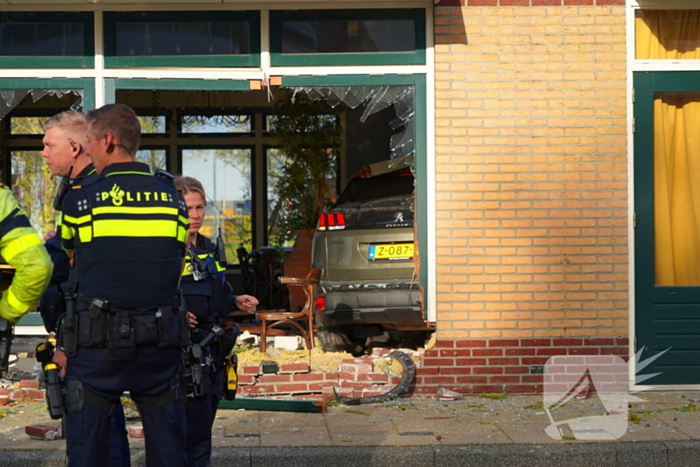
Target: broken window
[375,99]
[31,181]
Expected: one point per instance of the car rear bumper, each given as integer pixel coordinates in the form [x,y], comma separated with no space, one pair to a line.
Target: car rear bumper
[389,303]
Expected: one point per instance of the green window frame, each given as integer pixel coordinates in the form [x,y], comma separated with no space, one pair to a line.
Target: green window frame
[415,57]
[244,60]
[87,60]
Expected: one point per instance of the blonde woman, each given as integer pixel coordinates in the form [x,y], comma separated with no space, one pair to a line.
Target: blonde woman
[208,298]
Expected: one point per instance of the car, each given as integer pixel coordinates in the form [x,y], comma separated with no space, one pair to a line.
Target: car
[369,292]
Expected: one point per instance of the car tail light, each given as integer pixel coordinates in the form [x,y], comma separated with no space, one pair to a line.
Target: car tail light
[331,221]
[320,303]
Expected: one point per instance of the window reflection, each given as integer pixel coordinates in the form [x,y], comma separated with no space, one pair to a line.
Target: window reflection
[350,36]
[276,208]
[34,187]
[41,39]
[152,124]
[27,125]
[216,124]
[141,38]
[226,177]
[155,158]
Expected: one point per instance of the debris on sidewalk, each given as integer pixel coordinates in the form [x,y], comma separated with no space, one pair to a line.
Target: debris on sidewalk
[135,431]
[46,432]
[445,394]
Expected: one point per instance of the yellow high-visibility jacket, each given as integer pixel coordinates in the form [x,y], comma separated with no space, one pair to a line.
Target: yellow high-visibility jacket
[21,247]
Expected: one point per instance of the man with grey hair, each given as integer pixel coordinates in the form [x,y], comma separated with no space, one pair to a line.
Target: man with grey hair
[64,152]
[64,145]
[128,233]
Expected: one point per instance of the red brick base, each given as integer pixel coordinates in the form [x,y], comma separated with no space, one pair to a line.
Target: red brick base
[465,366]
[355,378]
[501,365]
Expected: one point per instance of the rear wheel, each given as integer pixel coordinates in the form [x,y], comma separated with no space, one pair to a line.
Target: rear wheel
[331,338]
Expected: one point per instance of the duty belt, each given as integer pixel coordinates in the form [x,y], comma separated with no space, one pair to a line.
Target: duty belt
[122,329]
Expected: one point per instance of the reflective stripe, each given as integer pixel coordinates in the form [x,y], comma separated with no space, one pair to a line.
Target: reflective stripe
[182,234]
[18,245]
[135,210]
[85,234]
[14,301]
[77,220]
[126,173]
[134,228]
[183,220]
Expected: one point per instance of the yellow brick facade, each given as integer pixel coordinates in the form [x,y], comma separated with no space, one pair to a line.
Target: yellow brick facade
[531,172]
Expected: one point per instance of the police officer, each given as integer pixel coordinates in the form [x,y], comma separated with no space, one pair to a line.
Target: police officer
[208,298]
[21,247]
[65,157]
[64,153]
[127,232]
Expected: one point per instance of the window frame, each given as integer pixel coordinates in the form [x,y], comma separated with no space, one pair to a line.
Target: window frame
[416,57]
[87,60]
[112,60]
[202,145]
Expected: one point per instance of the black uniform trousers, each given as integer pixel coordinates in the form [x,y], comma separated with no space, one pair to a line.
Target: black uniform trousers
[153,372]
[201,413]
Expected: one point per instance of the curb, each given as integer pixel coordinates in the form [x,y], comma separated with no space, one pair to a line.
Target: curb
[651,454]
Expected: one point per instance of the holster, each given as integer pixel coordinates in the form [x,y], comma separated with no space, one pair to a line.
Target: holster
[122,337]
[68,334]
[93,325]
[169,328]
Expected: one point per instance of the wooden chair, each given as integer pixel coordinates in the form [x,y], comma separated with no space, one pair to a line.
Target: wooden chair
[302,320]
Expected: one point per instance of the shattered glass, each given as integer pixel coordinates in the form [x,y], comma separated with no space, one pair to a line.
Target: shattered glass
[376,98]
[10,98]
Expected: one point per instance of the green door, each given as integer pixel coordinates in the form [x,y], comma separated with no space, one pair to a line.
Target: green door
[667,232]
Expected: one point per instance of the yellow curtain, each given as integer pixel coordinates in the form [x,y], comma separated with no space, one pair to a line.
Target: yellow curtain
[667,34]
[677,188]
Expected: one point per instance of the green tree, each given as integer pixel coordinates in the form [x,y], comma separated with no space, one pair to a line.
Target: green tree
[308,134]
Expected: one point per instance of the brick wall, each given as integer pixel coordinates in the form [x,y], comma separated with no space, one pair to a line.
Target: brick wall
[501,365]
[356,377]
[531,161]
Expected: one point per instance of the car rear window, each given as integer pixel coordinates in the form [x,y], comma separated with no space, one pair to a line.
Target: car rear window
[387,189]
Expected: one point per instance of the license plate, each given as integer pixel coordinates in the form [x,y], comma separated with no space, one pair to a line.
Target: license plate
[391,251]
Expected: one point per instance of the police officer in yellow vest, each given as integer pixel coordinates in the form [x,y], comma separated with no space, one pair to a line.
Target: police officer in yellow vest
[21,247]
[127,232]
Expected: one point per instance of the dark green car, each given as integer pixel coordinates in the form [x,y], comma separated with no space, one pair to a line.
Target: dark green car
[369,293]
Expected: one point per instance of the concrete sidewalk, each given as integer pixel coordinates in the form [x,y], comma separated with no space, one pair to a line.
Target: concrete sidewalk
[663,431]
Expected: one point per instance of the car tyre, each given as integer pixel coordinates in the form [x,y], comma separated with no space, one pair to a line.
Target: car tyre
[331,338]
